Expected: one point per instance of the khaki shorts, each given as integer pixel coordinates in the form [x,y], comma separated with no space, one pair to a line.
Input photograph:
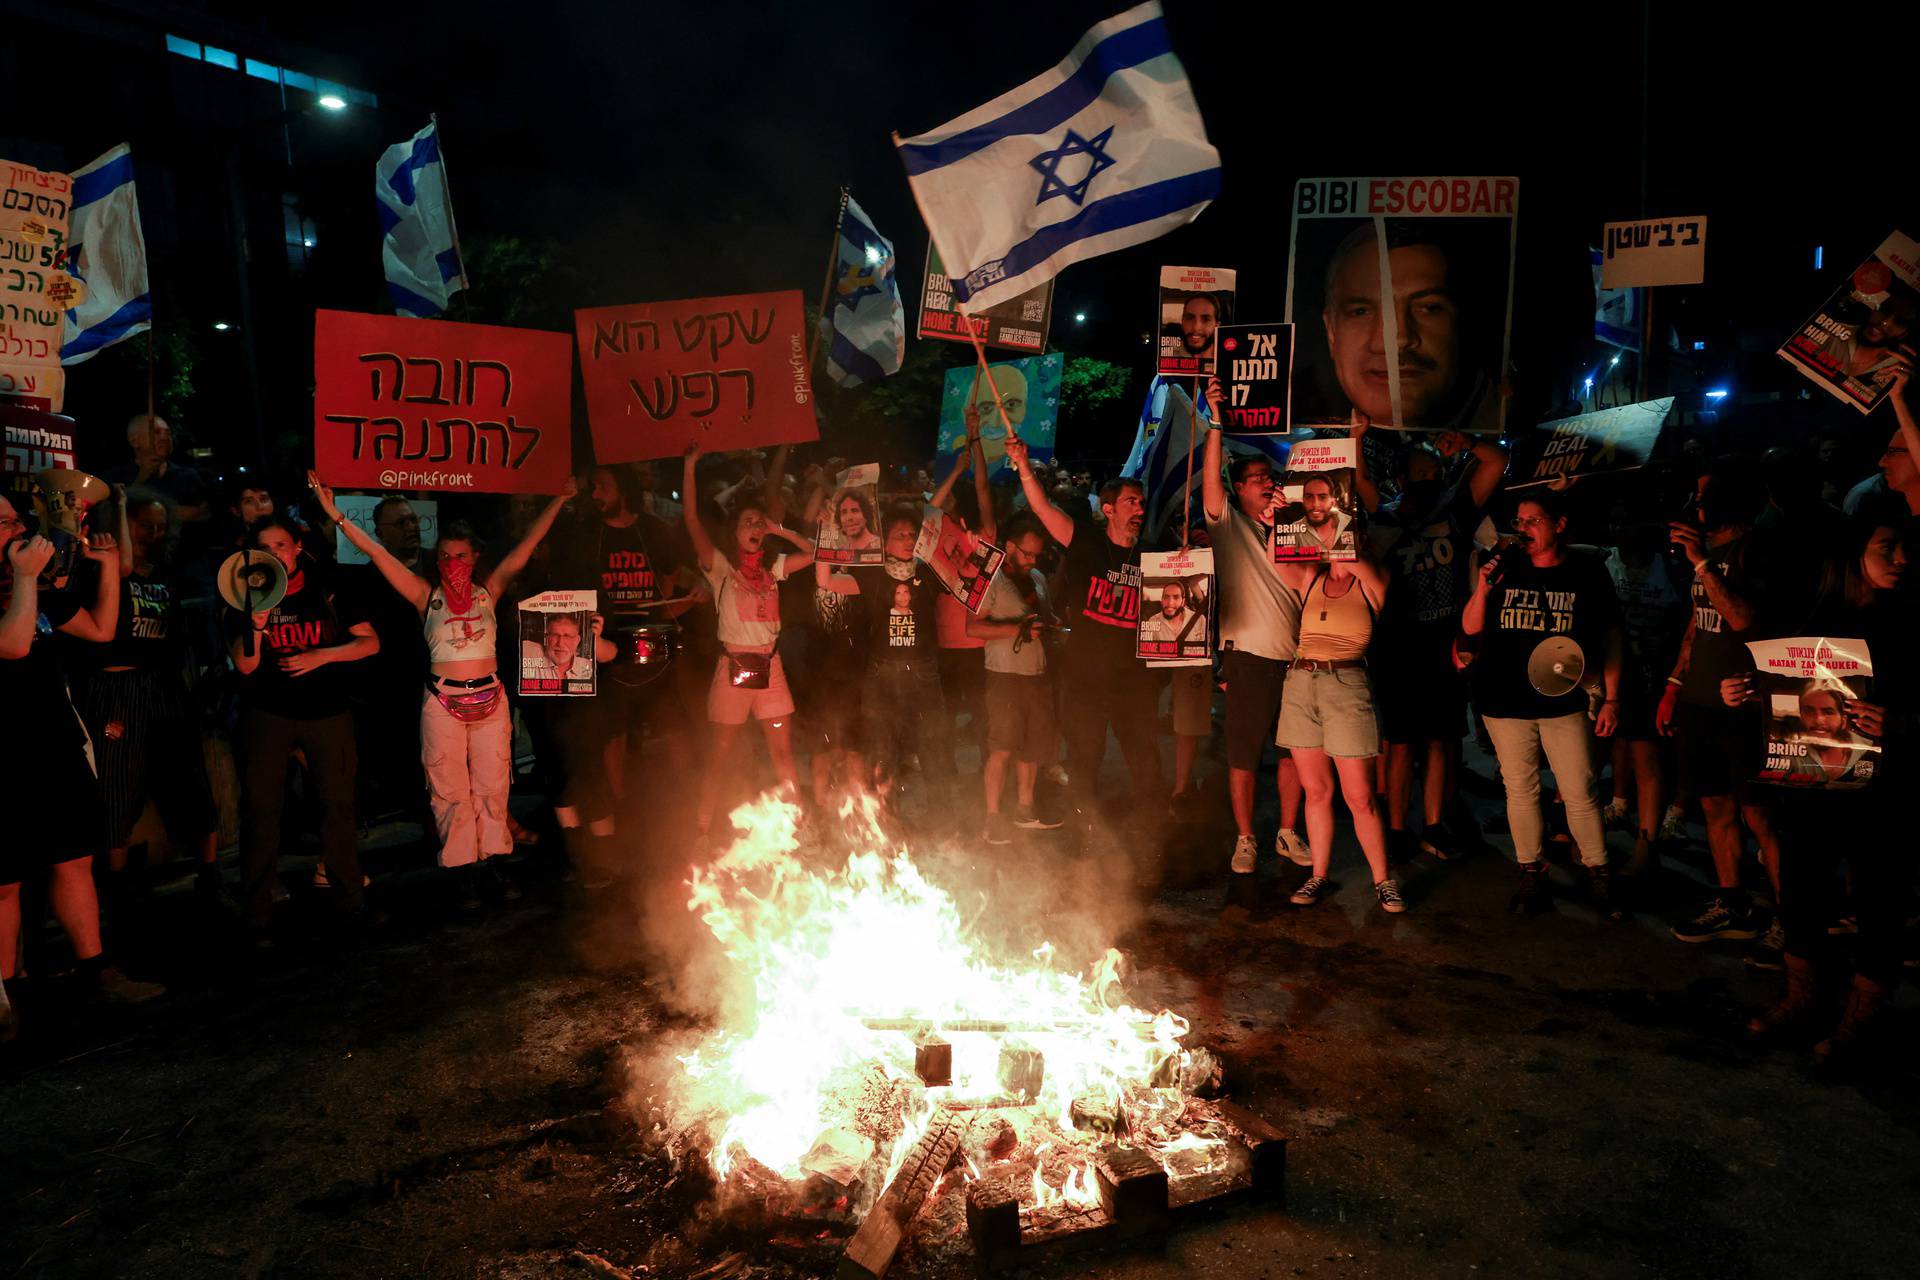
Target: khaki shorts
[1330,711]
[728,705]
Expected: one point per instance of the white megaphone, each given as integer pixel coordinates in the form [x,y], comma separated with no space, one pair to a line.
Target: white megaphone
[64,496]
[1556,666]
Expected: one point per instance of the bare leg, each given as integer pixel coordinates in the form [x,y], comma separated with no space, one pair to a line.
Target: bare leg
[780,747]
[1647,786]
[1759,820]
[1723,838]
[1443,772]
[1356,784]
[1399,783]
[1316,784]
[719,750]
[75,907]
[1185,749]
[1291,793]
[1026,773]
[9,930]
[1240,794]
[994,776]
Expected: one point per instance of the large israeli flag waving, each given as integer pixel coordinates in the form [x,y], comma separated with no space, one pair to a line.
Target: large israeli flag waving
[869,325]
[421,251]
[1104,151]
[106,251]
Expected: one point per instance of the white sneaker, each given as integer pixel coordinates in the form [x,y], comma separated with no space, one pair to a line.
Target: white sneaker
[1290,846]
[1245,850]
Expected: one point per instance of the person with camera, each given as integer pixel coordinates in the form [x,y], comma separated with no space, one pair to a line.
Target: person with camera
[1532,590]
[50,791]
[296,664]
[1012,623]
[466,729]
[1742,588]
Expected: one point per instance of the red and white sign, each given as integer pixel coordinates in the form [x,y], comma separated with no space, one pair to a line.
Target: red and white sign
[435,405]
[730,373]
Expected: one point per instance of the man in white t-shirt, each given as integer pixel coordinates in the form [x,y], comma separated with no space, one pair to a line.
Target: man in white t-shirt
[1258,617]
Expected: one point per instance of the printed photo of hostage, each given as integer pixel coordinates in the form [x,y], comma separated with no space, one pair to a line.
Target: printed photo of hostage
[1319,502]
[557,634]
[1194,303]
[963,561]
[1864,334]
[849,528]
[1176,611]
[1437,295]
[1823,729]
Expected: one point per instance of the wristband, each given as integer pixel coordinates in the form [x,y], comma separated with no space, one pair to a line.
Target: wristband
[1675,681]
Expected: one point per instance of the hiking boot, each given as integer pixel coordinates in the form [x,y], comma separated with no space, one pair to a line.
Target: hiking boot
[1310,892]
[997,830]
[1388,891]
[1029,819]
[1288,844]
[115,987]
[1642,860]
[1438,840]
[1600,891]
[1728,916]
[1245,851]
[1534,894]
[1769,949]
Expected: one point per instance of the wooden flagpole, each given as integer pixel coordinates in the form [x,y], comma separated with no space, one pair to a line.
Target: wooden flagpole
[1193,430]
[826,286]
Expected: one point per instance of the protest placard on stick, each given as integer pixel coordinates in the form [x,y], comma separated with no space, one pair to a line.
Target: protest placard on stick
[1619,439]
[1853,344]
[1316,522]
[36,290]
[1440,251]
[1814,738]
[556,645]
[1194,303]
[850,521]
[1030,394]
[963,561]
[1018,324]
[1256,379]
[1177,607]
[431,404]
[1653,251]
[729,373]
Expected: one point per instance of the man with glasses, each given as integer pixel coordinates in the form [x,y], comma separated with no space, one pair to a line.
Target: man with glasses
[1740,591]
[1539,588]
[397,525]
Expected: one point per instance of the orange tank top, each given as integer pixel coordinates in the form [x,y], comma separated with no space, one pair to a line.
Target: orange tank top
[1335,627]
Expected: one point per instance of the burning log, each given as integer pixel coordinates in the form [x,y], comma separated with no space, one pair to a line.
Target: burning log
[999,1027]
[1133,1191]
[1266,1150]
[1022,1069]
[1097,1115]
[933,1061]
[872,1249]
[993,1223]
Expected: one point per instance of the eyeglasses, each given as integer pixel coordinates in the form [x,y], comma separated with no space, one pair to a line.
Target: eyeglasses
[1531,522]
[12,522]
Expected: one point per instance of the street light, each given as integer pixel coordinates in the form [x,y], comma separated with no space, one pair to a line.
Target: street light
[333,102]
[1079,317]
[221,326]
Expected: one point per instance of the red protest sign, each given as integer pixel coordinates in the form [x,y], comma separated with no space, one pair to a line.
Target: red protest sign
[728,372]
[431,404]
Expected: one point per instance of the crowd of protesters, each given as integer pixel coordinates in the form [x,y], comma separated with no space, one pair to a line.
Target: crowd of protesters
[391,686]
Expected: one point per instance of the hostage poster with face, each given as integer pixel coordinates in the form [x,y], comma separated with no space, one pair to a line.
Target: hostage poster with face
[1811,688]
[1194,303]
[1419,268]
[1853,344]
[1176,608]
[850,520]
[556,645]
[963,561]
[1318,503]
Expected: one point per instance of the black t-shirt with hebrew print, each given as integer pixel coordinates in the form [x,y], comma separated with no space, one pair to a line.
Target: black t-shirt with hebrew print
[1574,599]
[1101,600]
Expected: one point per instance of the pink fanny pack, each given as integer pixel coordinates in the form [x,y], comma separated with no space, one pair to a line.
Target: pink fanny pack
[467,705]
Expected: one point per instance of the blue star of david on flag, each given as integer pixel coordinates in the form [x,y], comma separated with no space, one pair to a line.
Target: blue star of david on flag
[1048,163]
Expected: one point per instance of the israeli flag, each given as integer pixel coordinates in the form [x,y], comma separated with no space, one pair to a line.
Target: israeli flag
[421,250]
[106,251]
[1104,151]
[1169,420]
[869,325]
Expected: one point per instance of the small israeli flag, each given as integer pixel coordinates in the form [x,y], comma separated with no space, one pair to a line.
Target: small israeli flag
[1104,151]
[109,254]
[869,325]
[421,250]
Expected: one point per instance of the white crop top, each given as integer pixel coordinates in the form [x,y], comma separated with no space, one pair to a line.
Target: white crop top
[462,638]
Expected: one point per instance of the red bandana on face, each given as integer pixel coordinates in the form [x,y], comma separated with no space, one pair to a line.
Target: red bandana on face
[456,579]
[753,572]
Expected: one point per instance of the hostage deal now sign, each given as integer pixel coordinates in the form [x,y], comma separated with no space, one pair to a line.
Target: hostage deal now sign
[730,373]
[435,405]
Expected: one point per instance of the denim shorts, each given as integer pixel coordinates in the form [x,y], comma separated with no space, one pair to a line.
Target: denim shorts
[1330,711]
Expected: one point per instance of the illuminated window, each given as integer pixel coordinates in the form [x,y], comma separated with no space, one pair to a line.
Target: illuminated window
[263,71]
[221,58]
[185,48]
[296,79]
